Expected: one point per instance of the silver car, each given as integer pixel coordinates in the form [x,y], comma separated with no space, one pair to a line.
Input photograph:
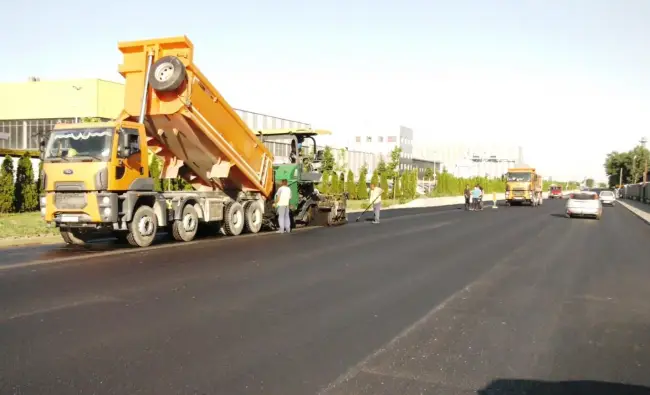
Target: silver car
[608,198]
[584,204]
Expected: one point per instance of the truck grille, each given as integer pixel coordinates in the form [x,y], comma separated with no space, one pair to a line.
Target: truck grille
[519,192]
[70,201]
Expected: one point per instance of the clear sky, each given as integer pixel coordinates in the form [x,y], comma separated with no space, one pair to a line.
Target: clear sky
[568,80]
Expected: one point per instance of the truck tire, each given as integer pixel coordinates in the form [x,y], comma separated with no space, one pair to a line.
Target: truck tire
[253,216]
[233,219]
[185,229]
[167,74]
[143,227]
[74,236]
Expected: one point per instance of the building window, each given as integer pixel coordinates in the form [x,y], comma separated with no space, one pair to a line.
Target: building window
[357,139]
[392,139]
[380,139]
[368,139]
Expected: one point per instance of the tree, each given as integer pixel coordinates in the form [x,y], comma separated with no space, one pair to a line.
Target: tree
[351,186]
[383,184]
[589,182]
[614,162]
[334,183]
[375,178]
[154,172]
[602,185]
[381,166]
[341,163]
[7,185]
[341,184]
[428,176]
[392,168]
[25,195]
[397,190]
[328,160]
[640,156]
[632,163]
[362,188]
[324,186]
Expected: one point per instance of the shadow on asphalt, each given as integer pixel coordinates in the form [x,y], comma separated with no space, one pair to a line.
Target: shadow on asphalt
[556,215]
[536,387]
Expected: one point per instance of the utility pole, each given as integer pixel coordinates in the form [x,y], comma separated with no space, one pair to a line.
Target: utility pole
[620,178]
[643,142]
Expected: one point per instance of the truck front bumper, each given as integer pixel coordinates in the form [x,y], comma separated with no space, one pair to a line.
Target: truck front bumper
[80,209]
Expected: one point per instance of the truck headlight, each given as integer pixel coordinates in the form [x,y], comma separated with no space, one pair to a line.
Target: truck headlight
[106,200]
[107,211]
[43,209]
[43,200]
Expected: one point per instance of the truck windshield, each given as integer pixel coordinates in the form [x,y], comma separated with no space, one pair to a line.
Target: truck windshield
[520,177]
[79,144]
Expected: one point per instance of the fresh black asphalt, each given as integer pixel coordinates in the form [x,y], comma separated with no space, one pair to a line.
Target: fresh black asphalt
[515,300]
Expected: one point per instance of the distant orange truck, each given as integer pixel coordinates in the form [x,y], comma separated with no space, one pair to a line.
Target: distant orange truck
[524,185]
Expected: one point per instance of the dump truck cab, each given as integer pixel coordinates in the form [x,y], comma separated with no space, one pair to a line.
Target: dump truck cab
[94,176]
[86,164]
[301,169]
[523,185]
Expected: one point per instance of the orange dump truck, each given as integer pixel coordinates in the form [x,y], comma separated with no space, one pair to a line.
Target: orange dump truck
[96,175]
[524,185]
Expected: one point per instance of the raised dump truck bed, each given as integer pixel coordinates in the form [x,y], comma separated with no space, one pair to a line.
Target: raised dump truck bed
[189,124]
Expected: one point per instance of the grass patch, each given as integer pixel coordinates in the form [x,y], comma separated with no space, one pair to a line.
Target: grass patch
[24,225]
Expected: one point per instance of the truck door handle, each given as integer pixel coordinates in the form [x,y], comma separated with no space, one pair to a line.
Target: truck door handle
[141,170]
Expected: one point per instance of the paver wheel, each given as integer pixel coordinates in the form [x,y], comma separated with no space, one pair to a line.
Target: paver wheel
[253,216]
[233,219]
[186,228]
[143,227]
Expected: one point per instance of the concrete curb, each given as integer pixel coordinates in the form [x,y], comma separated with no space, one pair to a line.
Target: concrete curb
[642,215]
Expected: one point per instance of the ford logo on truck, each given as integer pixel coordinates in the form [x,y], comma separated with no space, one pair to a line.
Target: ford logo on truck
[67,171]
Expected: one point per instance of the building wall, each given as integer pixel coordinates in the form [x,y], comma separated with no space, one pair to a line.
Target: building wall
[31,109]
[381,144]
[61,99]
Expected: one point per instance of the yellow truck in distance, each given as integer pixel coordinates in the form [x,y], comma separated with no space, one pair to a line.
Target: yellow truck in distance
[96,175]
[524,185]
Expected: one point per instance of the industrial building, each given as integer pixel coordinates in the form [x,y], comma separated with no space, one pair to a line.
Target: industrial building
[383,142]
[460,159]
[29,111]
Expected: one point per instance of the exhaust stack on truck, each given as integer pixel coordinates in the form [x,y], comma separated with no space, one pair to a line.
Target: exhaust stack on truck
[96,175]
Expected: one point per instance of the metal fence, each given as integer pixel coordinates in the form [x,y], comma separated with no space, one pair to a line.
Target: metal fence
[639,192]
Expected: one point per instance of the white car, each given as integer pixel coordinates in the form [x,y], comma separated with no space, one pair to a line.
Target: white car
[584,204]
[608,198]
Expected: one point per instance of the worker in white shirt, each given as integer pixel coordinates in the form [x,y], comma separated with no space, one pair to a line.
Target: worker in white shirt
[282,199]
[375,200]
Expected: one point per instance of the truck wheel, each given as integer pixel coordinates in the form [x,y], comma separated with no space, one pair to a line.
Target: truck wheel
[253,216]
[233,219]
[167,74]
[186,228]
[74,236]
[143,227]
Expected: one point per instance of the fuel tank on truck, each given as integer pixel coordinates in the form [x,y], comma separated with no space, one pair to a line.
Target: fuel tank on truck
[189,124]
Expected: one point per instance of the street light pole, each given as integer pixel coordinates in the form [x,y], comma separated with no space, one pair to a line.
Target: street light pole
[620,177]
